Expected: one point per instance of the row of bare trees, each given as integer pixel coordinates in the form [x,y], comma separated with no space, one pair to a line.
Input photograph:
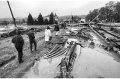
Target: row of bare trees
[109,13]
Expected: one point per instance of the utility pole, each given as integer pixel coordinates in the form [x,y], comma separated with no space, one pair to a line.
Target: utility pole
[11,13]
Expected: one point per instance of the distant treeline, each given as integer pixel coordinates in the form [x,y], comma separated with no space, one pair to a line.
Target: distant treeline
[50,19]
[109,13]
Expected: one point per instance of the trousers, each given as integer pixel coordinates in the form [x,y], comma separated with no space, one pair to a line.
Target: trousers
[20,53]
[31,44]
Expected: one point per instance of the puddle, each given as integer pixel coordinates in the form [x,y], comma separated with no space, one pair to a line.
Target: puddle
[45,68]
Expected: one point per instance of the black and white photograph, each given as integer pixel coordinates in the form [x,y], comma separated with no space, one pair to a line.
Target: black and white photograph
[59,38]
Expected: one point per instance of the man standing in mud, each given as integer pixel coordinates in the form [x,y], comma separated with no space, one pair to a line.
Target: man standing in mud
[18,42]
[56,28]
[63,25]
[32,40]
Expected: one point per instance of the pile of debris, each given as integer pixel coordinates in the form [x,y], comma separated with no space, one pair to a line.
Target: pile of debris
[58,40]
[85,35]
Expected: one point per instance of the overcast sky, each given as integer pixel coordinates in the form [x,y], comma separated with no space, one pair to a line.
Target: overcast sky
[21,8]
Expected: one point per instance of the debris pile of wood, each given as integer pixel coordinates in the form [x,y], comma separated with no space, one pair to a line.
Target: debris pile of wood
[84,35]
[58,40]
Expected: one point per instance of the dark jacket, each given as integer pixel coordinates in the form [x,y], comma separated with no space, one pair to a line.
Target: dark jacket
[18,41]
[31,36]
[63,25]
[56,28]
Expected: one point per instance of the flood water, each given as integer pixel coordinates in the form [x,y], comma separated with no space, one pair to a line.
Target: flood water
[6,29]
[94,64]
[45,68]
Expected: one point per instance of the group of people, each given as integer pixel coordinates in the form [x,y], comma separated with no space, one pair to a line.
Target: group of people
[19,43]
[48,35]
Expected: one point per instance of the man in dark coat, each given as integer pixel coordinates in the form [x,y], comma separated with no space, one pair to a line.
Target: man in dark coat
[63,25]
[18,42]
[32,40]
[56,28]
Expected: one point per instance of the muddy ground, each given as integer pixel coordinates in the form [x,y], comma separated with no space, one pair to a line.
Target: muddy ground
[15,70]
[7,51]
